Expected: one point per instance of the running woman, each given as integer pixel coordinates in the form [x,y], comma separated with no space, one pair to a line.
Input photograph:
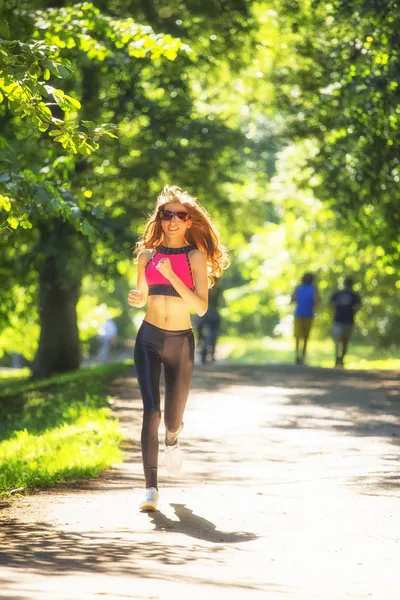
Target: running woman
[179,256]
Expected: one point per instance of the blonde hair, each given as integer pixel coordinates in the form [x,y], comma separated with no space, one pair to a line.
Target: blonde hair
[202,235]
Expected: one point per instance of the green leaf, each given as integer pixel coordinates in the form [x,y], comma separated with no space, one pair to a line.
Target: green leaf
[89,124]
[57,69]
[35,71]
[25,224]
[5,203]
[72,101]
[61,138]
[63,71]
[4,30]
[48,64]
[13,222]
[55,132]
[97,211]
[87,229]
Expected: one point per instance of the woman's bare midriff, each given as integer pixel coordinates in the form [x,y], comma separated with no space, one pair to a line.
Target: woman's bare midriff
[168,312]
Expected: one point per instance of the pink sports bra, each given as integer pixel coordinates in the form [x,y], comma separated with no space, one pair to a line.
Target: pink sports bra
[179,257]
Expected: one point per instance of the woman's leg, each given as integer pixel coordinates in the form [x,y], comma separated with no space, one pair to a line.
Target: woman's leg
[148,367]
[178,359]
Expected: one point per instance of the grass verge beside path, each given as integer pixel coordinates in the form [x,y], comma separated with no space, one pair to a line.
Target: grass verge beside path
[320,353]
[57,429]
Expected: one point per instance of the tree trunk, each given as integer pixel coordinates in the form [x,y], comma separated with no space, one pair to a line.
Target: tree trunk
[59,285]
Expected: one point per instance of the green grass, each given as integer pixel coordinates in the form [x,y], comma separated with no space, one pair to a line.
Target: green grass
[21,382]
[13,376]
[320,353]
[58,429]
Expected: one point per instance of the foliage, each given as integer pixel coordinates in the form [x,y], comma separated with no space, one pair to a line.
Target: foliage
[249,308]
[337,80]
[281,252]
[57,429]
[203,95]
[27,66]
[177,121]
[79,450]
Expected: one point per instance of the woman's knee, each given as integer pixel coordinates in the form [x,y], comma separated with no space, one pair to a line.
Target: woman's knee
[152,417]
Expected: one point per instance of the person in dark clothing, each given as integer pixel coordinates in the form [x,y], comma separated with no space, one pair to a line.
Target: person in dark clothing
[345,303]
[306,298]
[208,326]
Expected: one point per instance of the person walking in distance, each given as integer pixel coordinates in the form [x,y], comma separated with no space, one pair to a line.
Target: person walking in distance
[108,336]
[179,256]
[306,299]
[208,326]
[345,303]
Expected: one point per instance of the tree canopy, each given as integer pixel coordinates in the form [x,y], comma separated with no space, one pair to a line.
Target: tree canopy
[338,82]
[280,115]
[83,184]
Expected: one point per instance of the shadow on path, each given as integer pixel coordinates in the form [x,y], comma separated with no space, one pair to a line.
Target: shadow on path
[41,549]
[197,527]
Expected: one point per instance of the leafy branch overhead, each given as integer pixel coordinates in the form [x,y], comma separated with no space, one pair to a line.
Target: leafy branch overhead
[27,67]
[339,84]
[48,56]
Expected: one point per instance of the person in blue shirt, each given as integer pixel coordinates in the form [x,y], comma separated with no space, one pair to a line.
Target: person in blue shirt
[306,298]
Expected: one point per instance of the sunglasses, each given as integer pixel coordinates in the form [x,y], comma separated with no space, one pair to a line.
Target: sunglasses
[180,215]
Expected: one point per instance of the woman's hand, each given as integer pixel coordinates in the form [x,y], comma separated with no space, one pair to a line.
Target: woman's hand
[135,298]
[165,268]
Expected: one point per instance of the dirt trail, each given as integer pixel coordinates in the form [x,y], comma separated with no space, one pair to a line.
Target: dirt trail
[290,490]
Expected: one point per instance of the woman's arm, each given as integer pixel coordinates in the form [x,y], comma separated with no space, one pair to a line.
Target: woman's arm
[138,297]
[197,301]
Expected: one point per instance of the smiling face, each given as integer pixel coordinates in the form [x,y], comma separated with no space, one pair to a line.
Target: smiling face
[174,229]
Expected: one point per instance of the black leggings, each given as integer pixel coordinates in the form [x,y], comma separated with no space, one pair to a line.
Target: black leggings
[175,350]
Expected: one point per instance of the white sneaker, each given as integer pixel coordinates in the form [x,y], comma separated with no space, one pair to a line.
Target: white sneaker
[173,459]
[151,499]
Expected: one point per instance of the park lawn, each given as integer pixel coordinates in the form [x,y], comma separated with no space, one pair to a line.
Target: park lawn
[9,376]
[320,353]
[58,429]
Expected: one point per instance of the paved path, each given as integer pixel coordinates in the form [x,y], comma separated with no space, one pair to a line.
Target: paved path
[290,491]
